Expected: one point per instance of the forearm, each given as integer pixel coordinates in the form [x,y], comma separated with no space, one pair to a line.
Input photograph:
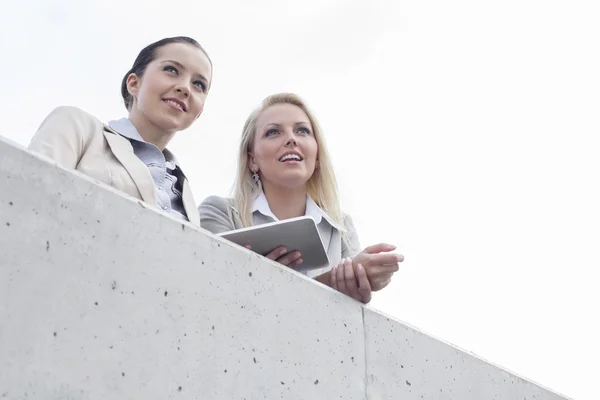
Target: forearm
[325,278]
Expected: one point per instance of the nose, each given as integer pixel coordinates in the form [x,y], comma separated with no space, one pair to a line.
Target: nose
[291,141]
[183,89]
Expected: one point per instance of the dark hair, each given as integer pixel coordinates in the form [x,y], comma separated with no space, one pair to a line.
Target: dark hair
[146,56]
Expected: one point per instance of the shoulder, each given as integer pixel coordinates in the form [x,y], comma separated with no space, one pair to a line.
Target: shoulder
[70,122]
[217,214]
[65,131]
[350,241]
[66,134]
[217,207]
[216,202]
[348,222]
[74,114]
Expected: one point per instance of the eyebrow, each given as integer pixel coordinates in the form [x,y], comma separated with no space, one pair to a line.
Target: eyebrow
[295,124]
[180,65]
[272,124]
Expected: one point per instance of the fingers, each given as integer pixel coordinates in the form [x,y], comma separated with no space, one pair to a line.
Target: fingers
[379,248]
[385,283]
[385,258]
[333,277]
[296,263]
[275,254]
[341,280]
[380,284]
[379,271]
[387,267]
[364,287]
[350,280]
[380,277]
[292,259]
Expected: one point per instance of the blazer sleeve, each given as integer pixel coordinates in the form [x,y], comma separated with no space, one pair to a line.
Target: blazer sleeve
[215,214]
[64,134]
[350,246]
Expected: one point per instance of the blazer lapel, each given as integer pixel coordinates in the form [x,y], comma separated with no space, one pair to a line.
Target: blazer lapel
[335,247]
[139,172]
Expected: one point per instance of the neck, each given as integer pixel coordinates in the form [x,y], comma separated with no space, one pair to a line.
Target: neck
[285,202]
[150,132]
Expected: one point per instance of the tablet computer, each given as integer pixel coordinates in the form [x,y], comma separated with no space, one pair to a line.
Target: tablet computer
[299,234]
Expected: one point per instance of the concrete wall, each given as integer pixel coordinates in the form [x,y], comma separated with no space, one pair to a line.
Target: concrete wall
[102,297]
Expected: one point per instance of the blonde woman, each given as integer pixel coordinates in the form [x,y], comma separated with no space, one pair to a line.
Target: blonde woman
[284,171]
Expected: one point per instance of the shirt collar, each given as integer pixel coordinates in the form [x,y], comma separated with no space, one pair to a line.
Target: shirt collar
[125,127]
[261,205]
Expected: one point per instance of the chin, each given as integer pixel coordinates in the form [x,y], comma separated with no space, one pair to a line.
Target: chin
[291,183]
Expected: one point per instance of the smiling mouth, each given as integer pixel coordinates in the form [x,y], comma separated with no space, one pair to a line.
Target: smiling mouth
[175,104]
[290,157]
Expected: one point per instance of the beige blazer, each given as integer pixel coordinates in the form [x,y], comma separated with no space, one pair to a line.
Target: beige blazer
[76,140]
[218,214]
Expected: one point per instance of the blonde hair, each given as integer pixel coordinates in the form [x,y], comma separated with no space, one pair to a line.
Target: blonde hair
[322,185]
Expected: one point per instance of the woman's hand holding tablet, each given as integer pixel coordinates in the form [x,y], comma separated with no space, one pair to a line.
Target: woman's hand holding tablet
[281,255]
[294,242]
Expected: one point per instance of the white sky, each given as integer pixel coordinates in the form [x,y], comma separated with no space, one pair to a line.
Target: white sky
[465,132]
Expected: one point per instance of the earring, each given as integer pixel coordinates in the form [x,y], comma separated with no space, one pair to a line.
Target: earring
[255,178]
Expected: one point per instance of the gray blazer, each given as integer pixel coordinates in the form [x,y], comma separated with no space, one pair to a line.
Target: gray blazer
[218,214]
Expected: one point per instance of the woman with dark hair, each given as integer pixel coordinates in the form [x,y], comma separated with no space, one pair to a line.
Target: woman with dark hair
[164,92]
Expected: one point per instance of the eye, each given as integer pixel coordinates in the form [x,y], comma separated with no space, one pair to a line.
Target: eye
[170,68]
[271,132]
[200,84]
[303,130]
